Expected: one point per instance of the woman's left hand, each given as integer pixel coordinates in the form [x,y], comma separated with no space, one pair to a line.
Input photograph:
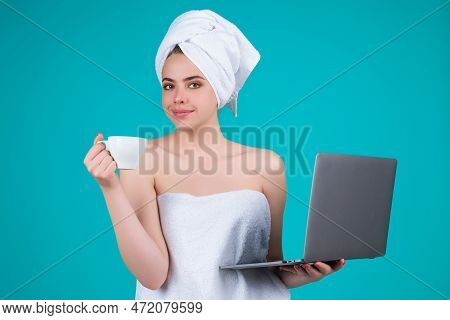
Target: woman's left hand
[310,273]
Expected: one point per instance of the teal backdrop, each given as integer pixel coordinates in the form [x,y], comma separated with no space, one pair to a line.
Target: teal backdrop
[372,78]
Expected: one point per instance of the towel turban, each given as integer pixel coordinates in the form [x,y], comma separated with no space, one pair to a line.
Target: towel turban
[217,47]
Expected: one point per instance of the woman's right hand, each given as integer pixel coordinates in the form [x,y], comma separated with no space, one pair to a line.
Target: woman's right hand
[101,165]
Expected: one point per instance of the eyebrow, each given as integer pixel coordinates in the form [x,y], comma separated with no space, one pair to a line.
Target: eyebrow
[185,79]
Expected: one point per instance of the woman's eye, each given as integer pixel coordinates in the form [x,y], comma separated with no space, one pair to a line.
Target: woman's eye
[194,83]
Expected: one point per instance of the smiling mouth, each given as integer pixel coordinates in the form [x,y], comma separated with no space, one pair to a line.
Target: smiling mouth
[182,114]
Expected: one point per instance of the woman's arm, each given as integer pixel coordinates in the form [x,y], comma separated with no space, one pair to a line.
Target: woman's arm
[140,240]
[143,255]
[274,186]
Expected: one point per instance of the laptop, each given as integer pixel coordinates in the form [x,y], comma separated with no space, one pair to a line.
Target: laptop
[349,211]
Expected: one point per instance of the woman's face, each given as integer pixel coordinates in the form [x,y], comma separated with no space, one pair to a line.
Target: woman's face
[184,87]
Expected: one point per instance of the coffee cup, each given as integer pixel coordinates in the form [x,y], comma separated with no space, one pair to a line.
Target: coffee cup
[126,151]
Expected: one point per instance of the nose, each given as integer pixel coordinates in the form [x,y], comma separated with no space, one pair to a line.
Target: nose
[179,97]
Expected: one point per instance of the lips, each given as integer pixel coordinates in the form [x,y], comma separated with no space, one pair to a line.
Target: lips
[182,113]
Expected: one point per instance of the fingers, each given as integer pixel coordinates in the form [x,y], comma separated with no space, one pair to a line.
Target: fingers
[327,269]
[100,157]
[95,150]
[315,272]
[339,265]
[311,271]
[111,168]
[98,137]
[105,168]
[288,269]
[323,268]
[101,164]
[296,269]
[300,270]
[104,164]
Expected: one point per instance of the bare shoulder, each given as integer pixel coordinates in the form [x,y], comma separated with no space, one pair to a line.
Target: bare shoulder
[272,171]
[273,159]
[268,160]
[268,164]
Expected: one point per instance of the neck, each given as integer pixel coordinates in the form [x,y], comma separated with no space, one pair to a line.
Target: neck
[200,138]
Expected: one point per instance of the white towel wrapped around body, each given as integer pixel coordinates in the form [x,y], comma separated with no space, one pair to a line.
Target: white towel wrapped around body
[217,47]
[205,232]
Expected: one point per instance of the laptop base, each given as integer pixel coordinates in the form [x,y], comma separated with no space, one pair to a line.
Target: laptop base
[264,264]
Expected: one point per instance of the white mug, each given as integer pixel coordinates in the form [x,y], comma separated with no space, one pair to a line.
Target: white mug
[126,151]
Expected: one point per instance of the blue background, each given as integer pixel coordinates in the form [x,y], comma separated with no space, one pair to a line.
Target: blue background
[56,241]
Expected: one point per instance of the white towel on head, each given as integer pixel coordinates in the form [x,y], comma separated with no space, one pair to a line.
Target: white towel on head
[217,47]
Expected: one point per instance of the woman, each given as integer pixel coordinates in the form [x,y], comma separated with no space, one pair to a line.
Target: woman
[201,201]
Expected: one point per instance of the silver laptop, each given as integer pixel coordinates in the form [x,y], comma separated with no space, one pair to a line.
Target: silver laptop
[349,210]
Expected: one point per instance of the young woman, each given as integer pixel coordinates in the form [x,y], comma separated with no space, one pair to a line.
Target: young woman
[197,200]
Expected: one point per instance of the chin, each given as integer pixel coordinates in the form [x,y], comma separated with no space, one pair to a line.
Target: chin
[183,123]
